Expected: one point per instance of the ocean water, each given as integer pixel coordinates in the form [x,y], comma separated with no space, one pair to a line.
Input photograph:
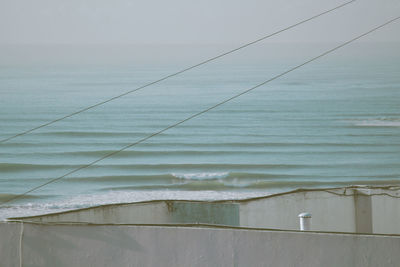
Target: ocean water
[335,122]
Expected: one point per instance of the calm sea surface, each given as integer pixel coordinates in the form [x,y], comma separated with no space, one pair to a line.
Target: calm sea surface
[335,122]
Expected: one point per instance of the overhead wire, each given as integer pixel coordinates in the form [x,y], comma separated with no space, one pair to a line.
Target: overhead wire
[174,74]
[201,112]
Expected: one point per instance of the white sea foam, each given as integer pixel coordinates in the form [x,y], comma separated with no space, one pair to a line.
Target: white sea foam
[201,175]
[382,122]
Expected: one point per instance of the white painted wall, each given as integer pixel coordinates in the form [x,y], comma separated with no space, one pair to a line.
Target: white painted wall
[10,234]
[143,213]
[329,212]
[116,245]
[154,212]
[333,210]
[386,212]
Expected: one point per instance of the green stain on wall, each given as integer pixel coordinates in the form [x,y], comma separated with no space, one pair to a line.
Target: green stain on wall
[204,213]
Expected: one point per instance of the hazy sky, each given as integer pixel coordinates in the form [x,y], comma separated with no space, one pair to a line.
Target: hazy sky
[188,21]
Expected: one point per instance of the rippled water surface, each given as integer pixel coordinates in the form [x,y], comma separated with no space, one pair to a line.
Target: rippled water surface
[331,123]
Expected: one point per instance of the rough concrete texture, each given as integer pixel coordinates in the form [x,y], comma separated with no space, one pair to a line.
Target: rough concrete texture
[329,212]
[10,234]
[154,212]
[118,245]
[362,210]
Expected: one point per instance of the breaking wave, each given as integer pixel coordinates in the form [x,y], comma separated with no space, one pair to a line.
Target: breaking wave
[201,175]
[381,122]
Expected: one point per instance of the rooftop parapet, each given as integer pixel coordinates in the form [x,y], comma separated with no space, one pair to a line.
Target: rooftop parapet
[357,209]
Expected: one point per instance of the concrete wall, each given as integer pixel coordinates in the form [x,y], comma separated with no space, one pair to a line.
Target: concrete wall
[154,212]
[113,245]
[144,213]
[329,212]
[335,210]
[10,234]
[385,212]
[204,212]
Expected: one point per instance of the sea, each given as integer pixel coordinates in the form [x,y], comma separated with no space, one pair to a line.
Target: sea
[334,122]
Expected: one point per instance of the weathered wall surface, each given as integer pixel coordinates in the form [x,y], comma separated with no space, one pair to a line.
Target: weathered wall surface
[10,234]
[155,212]
[112,245]
[386,212]
[146,213]
[204,212]
[333,210]
[329,212]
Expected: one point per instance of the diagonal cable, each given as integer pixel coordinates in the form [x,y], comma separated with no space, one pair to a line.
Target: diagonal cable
[173,74]
[201,112]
